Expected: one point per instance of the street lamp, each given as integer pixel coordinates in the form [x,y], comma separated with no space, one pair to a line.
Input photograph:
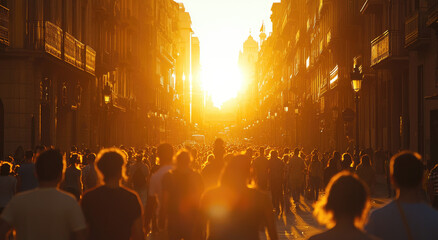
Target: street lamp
[356,84]
[107,94]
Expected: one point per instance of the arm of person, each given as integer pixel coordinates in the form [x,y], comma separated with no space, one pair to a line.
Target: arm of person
[4,229]
[137,232]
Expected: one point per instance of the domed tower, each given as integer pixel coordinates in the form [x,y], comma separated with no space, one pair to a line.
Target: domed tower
[262,34]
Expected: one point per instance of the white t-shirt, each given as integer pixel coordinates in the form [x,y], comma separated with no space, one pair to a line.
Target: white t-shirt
[8,185]
[44,213]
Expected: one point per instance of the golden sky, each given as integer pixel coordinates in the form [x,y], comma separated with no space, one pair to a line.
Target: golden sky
[222,26]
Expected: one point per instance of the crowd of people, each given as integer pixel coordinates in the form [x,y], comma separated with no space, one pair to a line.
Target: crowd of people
[210,192]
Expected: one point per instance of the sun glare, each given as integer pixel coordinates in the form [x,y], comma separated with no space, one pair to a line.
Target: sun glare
[222,81]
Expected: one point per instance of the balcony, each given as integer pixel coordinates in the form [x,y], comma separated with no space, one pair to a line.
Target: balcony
[387,48]
[49,38]
[416,31]
[90,60]
[4,25]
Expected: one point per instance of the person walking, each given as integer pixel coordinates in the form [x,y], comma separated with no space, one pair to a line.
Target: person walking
[89,174]
[407,217]
[211,171]
[72,179]
[45,212]
[111,210]
[296,176]
[182,189]
[138,176]
[260,167]
[233,211]
[315,176]
[276,175]
[26,173]
[366,172]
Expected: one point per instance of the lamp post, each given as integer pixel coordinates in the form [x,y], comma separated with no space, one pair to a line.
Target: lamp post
[107,93]
[356,84]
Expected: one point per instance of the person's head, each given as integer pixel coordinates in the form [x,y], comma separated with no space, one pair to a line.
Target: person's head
[111,164]
[365,160]
[210,158]
[249,152]
[165,153]
[331,163]
[49,166]
[74,159]
[219,148]
[262,151]
[274,154]
[5,169]
[183,159]
[296,152]
[347,198]
[346,159]
[236,172]
[91,158]
[406,170]
[336,155]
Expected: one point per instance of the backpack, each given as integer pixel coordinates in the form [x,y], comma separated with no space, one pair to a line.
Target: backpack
[139,178]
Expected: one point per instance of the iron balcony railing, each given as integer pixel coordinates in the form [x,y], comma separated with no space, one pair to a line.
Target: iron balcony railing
[389,45]
[415,29]
[48,37]
[4,25]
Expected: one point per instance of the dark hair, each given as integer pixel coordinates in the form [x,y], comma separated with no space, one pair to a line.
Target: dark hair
[49,165]
[407,169]
[262,150]
[111,163]
[74,158]
[347,196]
[183,158]
[165,153]
[91,158]
[336,155]
[236,172]
[274,154]
[5,169]
[365,160]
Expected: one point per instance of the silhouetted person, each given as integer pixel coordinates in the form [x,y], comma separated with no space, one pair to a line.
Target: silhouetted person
[89,173]
[347,162]
[343,209]
[260,166]
[153,211]
[45,212]
[330,171]
[72,178]
[315,176]
[138,178]
[296,171]
[111,210]
[233,211]
[26,173]
[276,174]
[407,217]
[212,170]
[182,189]
[366,172]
